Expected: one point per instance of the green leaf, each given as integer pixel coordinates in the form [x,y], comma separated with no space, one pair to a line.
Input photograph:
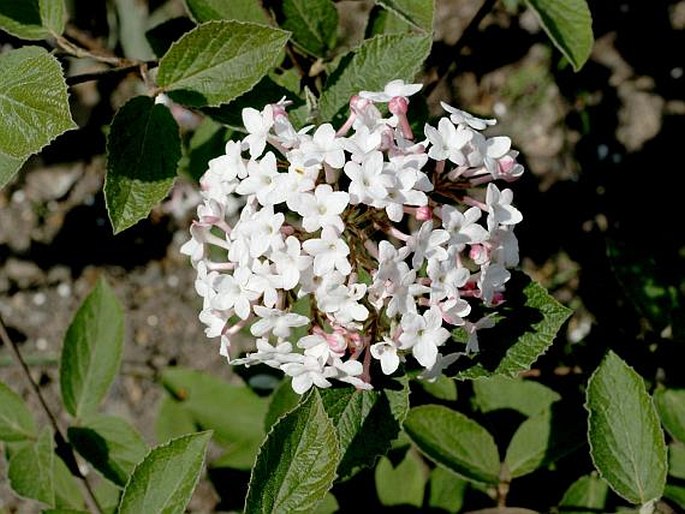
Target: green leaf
[281,401]
[542,439]
[382,21]
[16,420]
[32,19]
[241,10]
[676,460]
[670,403]
[63,511]
[144,148]
[237,424]
[92,349]
[371,66]
[68,494]
[207,143]
[53,15]
[366,422]
[34,103]
[314,24]
[296,464]
[626,441]
[569,25]
[30,469]
[110,444]
[443,388]
[446,490]
[403,484]
[165,480]
[418,13]
[529,323]
[586,495]
[524,396]
[329,505]
[173,419]
[218,61]
[451,439]
[676,494]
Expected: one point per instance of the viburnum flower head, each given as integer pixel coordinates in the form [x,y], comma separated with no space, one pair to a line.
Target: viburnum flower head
[356,252]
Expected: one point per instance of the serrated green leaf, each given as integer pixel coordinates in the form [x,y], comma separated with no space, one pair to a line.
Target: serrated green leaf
[403,484]
[451,439]
[281,401]
[626,441]
[670,404]
[241,10]
[296,464]
[34,103]
[237,423]
[92,350]
[524,396]
[218,61]
[382,21]
[586,495]
[144,148]
[371,66]
[314,24]
[527,329]
[53,15]
[446,490]
[165,480]
[30,469]
[110,444]
[569,25]
[354,411]
[443,388]
[22,19]
[16,420]
[418,13]
[173,419]
[676,460]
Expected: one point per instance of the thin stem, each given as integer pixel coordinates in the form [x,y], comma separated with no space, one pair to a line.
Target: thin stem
[97,75]
[63,448]
[70,48]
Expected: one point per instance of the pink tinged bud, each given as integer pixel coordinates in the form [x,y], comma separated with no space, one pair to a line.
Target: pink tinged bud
[398,105]
[359,104]
[287,230]
[479,254]
[424,213]
[336,342]
[497,299]
[506,164]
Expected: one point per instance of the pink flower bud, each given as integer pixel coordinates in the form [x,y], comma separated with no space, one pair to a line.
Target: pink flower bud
[424,213]
[399,105]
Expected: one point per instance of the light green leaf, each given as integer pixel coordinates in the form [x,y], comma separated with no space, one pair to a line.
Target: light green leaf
[30,469]
[626,441]
[218,61]
[418,13]
[144,148]
[329,505]
[586,495]
[32,19]
[110,444]
[670,403]
[382,21]
[173,419]
[296,464]
[676,460]
[524,396]
[451,439]
[16,420]
[92,349]
[371,66]
[241,10]
[676,494]
[237,424]
[165,480]
[281,401]
[403,484]
[446,490]
[34,103]
[353,411]
[531,317]
[443,388]
[53,15]
[314,24]
[68,494]
[569,25]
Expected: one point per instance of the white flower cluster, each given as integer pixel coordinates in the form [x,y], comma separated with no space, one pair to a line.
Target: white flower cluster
[390,240]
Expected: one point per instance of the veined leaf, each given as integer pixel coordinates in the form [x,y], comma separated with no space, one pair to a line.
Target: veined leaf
[92,350]
[525,396]
[30,470]
[670,404]
[32,19]
[16,420]
[418,13]
[241,10]
[446,490]
[586,495]
[314,24]
[403,484]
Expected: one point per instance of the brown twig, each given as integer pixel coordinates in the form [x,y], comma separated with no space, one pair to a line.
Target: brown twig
[141,68]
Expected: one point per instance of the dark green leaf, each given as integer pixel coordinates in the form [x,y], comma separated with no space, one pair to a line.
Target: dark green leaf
[569,25]
[586,495]
[403,484]
[371,66]
[237,424]
[208,142]
[241,10]
[670,404]
[676,460]
[443,388]
[366,422]
[451,439]
[676,494]
[165,480]
[296,464]
[174,419]
[282,401]
[34,103]
[382,21]
[314,24]
[626,440]
[530,321]
[92,351]
[219,61]
[144,148]
[524,396]
[418,13]
[32,19]
[110,444]
[16,420]
[446,490]
[30,469]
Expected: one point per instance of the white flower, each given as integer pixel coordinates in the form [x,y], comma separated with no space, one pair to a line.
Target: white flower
[472,330]
[362,143]
[392,89]
[350,371]
[273,356]
[460,117]
[232,292]
[369,183]
[323,208]
[423,334]
[276,321]
[290,262]
[264,181]
[329,251]
[427,243]
[447,142]
[491,281]
[441,363]
[258,126]
[305,374]
[462,227]
[386,352]
[325,147]
[500,210]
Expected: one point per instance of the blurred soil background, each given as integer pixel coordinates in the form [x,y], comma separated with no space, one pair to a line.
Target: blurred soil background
[602,149]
